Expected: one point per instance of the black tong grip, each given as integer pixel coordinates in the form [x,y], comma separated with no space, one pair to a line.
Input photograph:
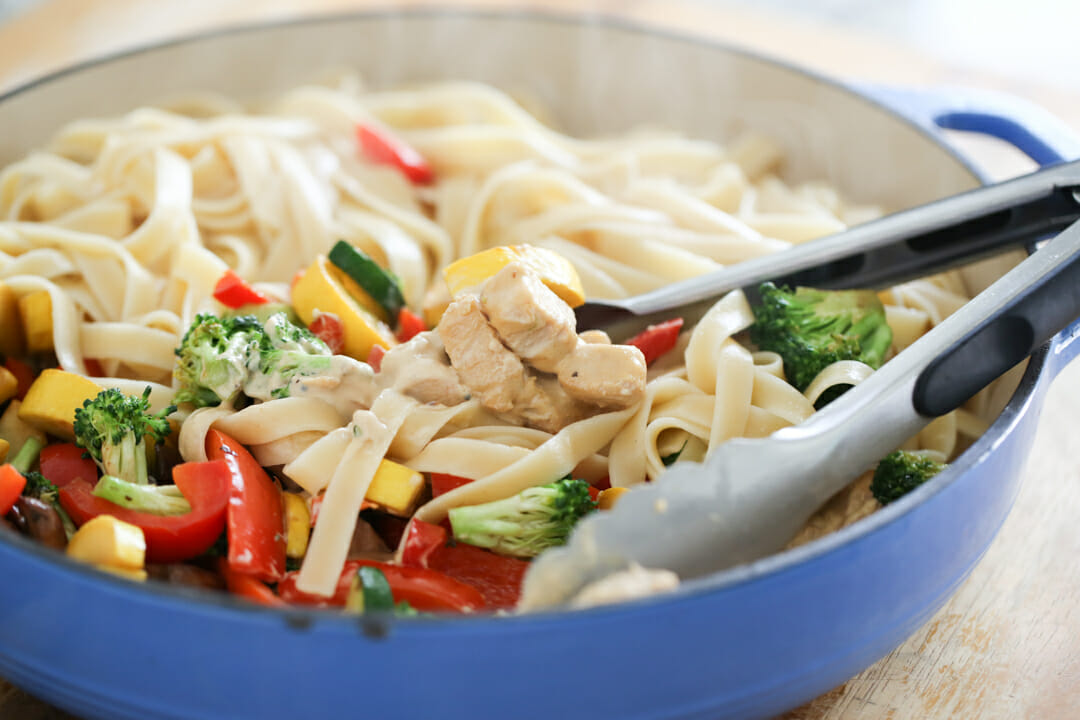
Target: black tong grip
[1001,340]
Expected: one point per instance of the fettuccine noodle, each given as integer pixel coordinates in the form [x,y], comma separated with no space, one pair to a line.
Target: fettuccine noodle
[128,222]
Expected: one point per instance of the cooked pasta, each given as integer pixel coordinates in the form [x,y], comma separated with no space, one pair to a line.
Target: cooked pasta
[127,223]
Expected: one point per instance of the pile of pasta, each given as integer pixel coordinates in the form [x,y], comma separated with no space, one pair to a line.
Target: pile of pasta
[128,222]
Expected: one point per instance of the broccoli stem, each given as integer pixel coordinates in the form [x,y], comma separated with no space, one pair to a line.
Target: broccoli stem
[126,459]
[27,455]
[153,499]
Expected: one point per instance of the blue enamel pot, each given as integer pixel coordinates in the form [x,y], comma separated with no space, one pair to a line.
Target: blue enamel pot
[746,643]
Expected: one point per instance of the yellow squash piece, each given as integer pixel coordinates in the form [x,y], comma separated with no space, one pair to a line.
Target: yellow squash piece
[556,271]
[51,402]
[134,575]
[324,288]
[109,543]
[297,525]
[9,385]
[35,310]
[395,488]
[607,498]
[12,340]
[436,301]
[4,447]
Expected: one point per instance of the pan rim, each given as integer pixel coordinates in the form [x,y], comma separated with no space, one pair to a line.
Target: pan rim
[1002,427]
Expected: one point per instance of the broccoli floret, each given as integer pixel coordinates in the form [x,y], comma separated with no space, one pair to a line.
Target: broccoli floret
[154,499]
[900,472]
[40,487]
[526,524]
[263,311]
[213,358]
[811,329]
[113,428]
[219,358]
[285,351]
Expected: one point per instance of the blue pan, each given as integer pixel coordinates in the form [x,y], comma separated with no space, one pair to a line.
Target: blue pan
[746,643]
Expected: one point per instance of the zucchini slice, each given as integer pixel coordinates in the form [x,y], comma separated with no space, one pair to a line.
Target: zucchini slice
[369,592]
[374,280]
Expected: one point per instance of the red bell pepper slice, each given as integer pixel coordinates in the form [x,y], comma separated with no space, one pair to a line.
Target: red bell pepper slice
[248,587]
[62,463]
[256,517]
[424,589]
[24,376]
[656,340]
[409,325]
[12,483]
[169,538]
[233,292]
[329,328]
[375,356]
[421,540]
[441,483]
[497,577]
[380,146]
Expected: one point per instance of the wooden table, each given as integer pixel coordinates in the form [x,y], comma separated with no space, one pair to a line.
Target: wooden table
[1007,645]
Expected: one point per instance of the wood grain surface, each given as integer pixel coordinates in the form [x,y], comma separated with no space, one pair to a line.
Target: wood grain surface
[1007,645]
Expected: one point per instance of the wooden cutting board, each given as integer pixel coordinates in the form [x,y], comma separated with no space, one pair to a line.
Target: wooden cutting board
[1007,645]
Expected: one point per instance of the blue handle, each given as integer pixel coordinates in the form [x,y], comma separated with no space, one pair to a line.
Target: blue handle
[1031,129]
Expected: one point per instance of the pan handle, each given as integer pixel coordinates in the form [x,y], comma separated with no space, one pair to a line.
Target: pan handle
[1031,129]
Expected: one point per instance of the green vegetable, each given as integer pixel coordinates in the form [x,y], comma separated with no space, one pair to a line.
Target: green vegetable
[286,351]
[263,311]
[811,329]
[526,524]
[40,487]
[900,472]
[213,357]
[219,358]
[113,428]
[27,455]
[370,593]
[153,499]
[380,284]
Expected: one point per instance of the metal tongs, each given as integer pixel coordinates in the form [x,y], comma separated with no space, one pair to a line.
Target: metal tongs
[750,497]
[906,245]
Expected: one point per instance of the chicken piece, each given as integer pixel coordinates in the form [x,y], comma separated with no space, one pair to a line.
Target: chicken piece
[494,374]
[531,320]
[595,337]
[545,406]
[420,369]
[629,584]
[611,376]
